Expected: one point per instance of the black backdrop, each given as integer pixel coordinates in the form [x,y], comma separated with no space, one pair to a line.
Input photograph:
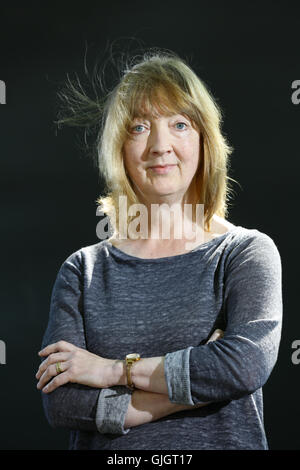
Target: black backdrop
[247,53]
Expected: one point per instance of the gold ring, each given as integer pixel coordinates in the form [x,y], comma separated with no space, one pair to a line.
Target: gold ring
[58,369]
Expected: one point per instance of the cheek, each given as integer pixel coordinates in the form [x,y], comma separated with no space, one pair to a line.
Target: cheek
[128,156]
[131,165]
[190,152]
[132,160]
[132,153]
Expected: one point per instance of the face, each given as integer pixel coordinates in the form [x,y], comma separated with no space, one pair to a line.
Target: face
[158,141]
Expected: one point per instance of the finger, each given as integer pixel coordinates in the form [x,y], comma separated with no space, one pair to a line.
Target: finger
[58,381]
[49,373]
[57,347]
[51,359]
[217,334]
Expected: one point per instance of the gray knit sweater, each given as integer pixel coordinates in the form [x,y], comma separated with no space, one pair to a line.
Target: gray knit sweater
[112,304]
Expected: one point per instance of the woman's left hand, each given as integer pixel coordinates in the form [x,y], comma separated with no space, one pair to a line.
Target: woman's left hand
[77,365]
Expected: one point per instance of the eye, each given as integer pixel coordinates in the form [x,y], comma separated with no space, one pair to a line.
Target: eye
[136,127]
[180,124]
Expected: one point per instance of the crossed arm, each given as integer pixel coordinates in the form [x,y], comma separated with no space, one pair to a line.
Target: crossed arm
[150,400]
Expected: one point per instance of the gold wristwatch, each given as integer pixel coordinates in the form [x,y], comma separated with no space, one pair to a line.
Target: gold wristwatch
[131,359]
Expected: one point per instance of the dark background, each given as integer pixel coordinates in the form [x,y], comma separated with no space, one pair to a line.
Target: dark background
[248,55]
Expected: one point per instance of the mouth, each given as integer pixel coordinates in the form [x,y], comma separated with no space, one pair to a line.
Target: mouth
[162,169]
[163,166]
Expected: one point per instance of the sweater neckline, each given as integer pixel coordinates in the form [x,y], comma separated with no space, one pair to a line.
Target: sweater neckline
[125,256]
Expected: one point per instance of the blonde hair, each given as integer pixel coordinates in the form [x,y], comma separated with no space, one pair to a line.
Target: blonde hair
[159,81]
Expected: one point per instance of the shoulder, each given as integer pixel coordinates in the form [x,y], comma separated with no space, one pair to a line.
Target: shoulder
[243,239]
[85,257]
[252,237]
[253,248]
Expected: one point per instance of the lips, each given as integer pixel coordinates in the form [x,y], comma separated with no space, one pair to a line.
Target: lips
[162,166]
[162,169]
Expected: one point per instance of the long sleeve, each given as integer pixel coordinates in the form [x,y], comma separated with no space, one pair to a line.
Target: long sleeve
[242,361]
[76,406]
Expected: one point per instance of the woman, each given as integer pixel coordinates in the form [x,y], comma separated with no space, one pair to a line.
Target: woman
[168,299]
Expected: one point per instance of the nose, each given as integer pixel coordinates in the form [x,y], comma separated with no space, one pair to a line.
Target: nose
[159,140]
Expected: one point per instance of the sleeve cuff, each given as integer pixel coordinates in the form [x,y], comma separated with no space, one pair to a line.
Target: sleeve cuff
[177,374]
[111,410]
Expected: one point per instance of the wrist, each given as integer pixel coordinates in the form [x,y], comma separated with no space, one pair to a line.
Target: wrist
[118,372]
[148,375]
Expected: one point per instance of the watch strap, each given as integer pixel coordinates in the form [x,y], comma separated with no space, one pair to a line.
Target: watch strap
[129,363]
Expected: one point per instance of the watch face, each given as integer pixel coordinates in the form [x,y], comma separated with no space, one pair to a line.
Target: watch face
[133,356]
